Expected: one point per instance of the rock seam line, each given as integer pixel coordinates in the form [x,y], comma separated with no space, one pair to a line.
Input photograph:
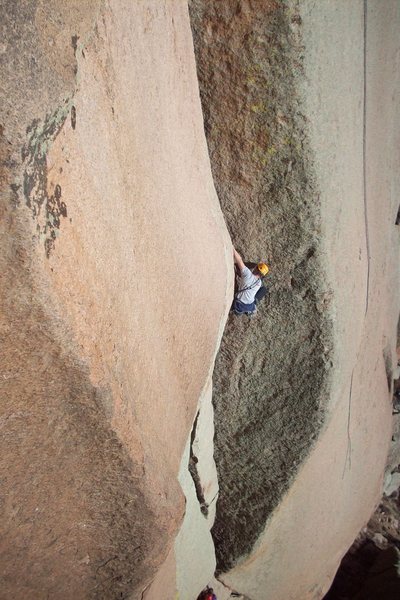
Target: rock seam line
[348,449]
[365,154]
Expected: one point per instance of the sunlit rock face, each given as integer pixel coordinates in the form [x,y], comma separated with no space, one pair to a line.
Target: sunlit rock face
[115,279]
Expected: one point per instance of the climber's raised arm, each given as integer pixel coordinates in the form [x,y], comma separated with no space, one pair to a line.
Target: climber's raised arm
[238,260]
[250,289]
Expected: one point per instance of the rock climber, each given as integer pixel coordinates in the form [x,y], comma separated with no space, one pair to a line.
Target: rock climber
[250,289]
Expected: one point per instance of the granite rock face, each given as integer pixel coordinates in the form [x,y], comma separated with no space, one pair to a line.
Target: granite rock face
[117,276]
[300,112]
[110,226]
[270,380]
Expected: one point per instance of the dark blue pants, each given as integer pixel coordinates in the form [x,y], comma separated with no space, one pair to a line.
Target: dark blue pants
[240,308]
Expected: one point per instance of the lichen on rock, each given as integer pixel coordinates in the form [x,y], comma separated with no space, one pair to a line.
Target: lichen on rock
[47,209]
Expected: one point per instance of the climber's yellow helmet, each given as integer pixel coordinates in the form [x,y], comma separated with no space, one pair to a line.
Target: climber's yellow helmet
[263,268]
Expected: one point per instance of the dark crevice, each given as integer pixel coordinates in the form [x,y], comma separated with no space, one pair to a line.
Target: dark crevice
[367,573]
[387,359]
[193,460]
[397,222]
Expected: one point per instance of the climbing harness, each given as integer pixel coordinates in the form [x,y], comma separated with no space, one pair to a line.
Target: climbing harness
[246,288]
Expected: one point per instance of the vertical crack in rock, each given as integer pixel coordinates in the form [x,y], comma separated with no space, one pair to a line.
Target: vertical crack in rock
[199,484]
[365,198]
[193,460]
[271,373]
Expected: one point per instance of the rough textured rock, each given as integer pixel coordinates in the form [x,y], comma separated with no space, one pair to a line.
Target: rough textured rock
[270,375]
[110,227]
[299,103]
